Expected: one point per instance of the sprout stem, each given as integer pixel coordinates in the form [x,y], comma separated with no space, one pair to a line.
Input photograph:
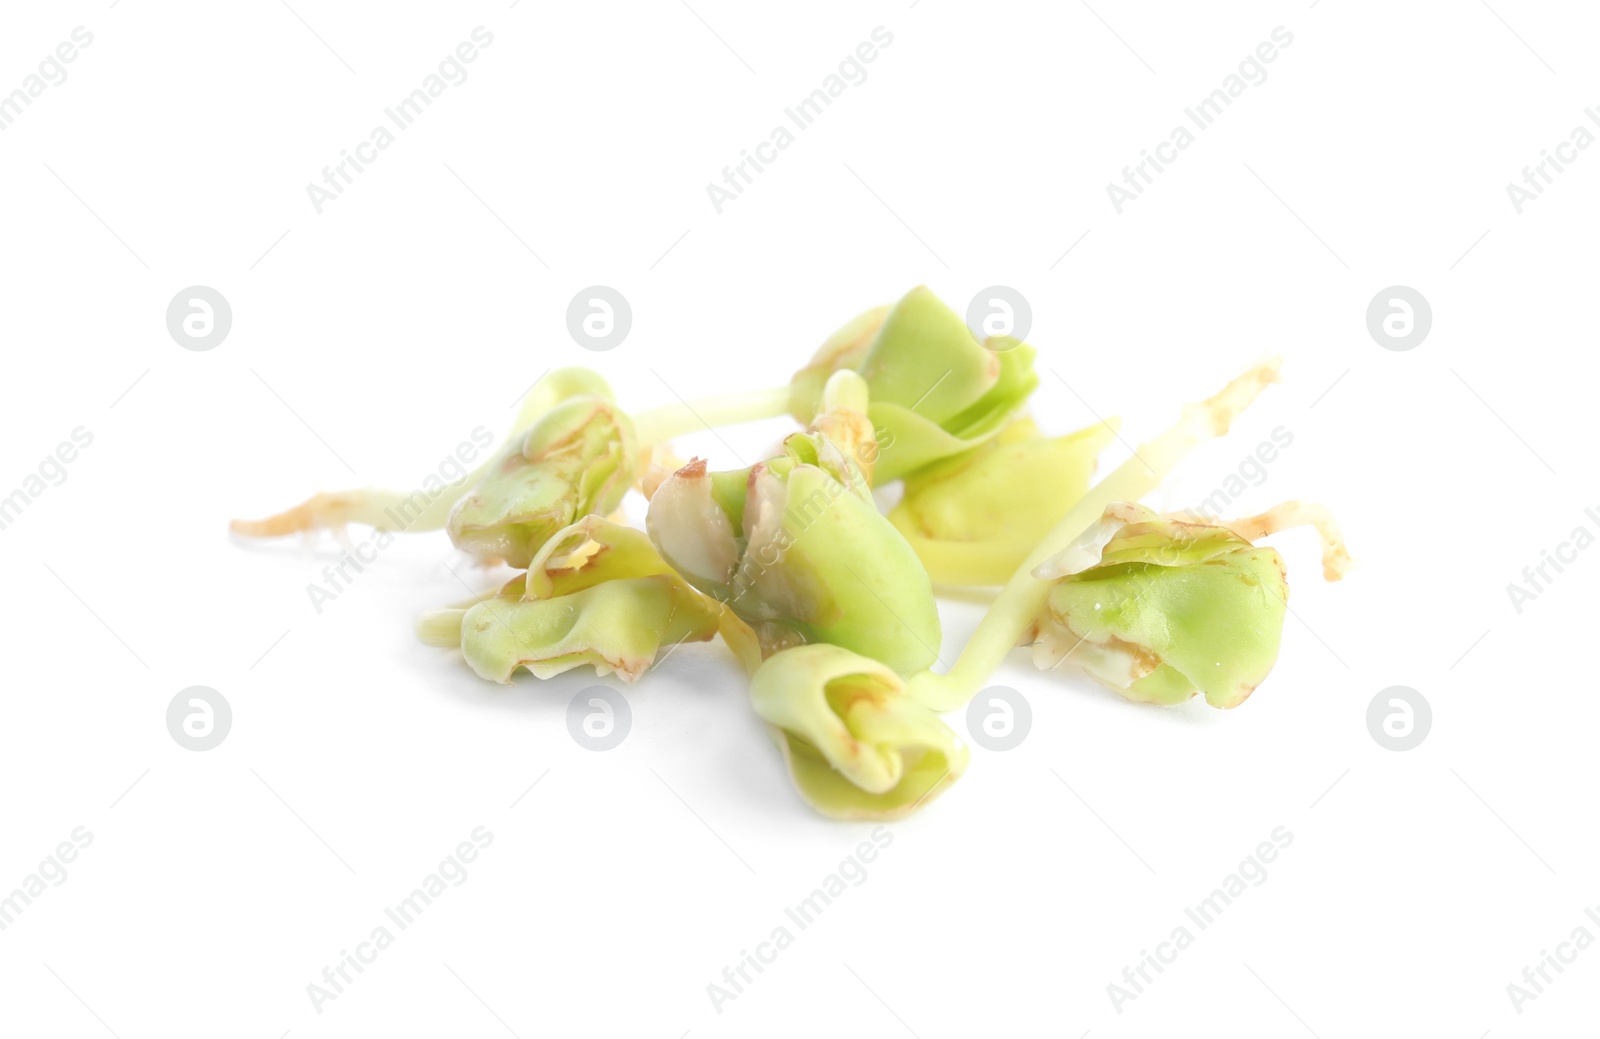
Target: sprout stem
[1024,595]
[374,508]
[420,511]
[675,420]
[389,509]
[1335,556]
[441,628]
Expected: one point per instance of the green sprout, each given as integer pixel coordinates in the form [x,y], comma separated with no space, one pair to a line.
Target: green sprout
[578,459]
[826,602]
[570,451]
[1160,608]
[796,546]
[598,593]
[936,391]
[425,508]
[808,692]
[1017,607]
[856,746]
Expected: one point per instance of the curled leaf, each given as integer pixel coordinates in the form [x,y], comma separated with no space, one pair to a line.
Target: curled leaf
[597,593]
[936,391]
[618,626]
[844,350]
[596,550]
[856,745]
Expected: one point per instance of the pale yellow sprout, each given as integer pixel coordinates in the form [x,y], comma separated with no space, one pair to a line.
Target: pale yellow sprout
[973,518]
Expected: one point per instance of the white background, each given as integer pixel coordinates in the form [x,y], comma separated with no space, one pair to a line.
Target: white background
[370,339]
